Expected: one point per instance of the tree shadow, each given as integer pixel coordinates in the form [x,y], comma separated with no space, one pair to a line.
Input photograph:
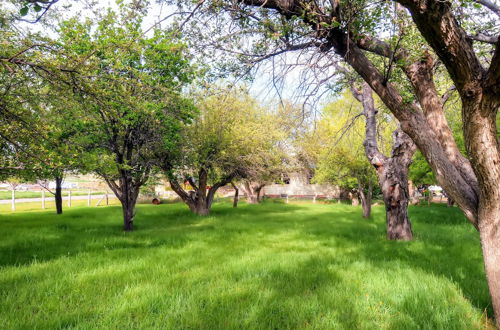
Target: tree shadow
[444,244]
[81,230]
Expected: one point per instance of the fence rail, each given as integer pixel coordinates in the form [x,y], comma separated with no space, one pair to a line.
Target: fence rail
[44,198]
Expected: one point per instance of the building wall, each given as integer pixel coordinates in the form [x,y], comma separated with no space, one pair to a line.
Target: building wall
[299,186]
[319,190]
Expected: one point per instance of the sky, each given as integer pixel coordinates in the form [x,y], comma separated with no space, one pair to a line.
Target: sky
[263,87]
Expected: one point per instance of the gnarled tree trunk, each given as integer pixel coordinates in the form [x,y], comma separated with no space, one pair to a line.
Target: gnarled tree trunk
[200,199]
[393,178]
[392,171]
[252,191]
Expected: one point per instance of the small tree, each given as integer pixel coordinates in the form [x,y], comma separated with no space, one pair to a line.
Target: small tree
[127,106]
[344,162]
[229,139]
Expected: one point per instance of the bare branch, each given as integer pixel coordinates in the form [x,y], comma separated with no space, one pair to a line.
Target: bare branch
[484,38]
[490,5]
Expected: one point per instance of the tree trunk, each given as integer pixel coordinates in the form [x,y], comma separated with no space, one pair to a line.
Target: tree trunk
[396,207]
[393,179]
[449,201]
[354,198]
[128,200]
[366,199]
[199,201]
[392,172]
[252,199]
[259,193]
[127,191]
[489,222]
[198,206]
[252,191]
[236,192]
[128,216]
[58,195]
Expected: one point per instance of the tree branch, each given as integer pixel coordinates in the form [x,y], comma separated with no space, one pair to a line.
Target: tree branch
[441,30]
[490,5]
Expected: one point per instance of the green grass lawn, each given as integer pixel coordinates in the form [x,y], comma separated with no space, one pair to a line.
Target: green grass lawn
[270,266]
[51,205]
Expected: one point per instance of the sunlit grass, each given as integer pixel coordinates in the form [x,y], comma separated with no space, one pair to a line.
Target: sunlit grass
[38,194]
[258,266]
[50,205]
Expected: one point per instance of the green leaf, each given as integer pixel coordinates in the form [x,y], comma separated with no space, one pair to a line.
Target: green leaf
[37,7]
[24,11]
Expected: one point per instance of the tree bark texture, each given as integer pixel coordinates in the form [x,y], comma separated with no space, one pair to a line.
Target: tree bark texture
[392,172]
[58,195]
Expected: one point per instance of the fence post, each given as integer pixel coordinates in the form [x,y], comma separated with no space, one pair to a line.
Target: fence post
[287,198]
[69,198]
[13,206]
[107,199]
[88,201]
[43,199]
[314,198]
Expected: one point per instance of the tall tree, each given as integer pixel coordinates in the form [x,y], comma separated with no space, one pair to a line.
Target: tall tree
[392,172]
[269,164]
[352,31]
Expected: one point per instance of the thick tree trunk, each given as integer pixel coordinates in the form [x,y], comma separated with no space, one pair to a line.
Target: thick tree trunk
[199,201]
[252,191]
[396,206]
[449,201]
[480,132]
[392,172]
[393,179]
[236,192]
[489,224]
[58,195]
[127,191]
[128,216]
[199,207]
[128,200]
[252,199]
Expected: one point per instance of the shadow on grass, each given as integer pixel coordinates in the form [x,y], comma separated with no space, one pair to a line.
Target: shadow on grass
[43,236]
[445,244]
[290,235]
